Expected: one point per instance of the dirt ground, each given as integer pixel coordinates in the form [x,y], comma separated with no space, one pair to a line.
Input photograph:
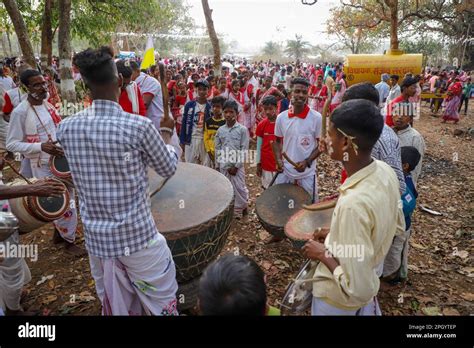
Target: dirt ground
[440,262]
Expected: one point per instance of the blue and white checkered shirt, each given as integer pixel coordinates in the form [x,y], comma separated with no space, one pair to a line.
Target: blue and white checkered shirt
[108,151]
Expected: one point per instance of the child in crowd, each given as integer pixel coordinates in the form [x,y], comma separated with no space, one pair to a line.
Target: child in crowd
[212,125]
[234,285]
[398,253]
[236,95]
[266,165]
[196,113]
[231,146]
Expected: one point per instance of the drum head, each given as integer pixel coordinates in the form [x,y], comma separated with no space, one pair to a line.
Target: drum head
[51,205]
[61,165]
[279,202]
[189,199]
[304,223]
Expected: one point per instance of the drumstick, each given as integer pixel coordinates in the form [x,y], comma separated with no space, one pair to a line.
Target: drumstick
[320,206]
[17,172]
[285,156]
[164,90]
[274,178]
[161,186]
[325,113]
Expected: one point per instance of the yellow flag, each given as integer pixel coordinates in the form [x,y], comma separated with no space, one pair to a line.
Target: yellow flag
[149,56]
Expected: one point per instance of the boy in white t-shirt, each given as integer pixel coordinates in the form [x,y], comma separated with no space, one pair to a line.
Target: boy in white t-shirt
[297,132]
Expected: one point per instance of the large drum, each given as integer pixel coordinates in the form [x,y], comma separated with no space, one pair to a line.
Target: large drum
[60,169]
[193,210]
[302,225]
[33,212]
[277,204]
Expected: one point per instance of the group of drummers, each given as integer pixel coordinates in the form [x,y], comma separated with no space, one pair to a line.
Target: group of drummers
[109,150]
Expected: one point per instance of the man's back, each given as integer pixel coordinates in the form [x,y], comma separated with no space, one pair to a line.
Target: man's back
[108,152]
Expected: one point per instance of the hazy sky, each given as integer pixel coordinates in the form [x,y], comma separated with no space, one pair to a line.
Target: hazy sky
[253,22]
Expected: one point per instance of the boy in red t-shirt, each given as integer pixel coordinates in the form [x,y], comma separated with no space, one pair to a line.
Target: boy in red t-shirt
[266,165]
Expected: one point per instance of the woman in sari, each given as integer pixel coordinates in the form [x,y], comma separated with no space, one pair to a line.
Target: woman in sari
[452,102]
[266,90]
[318,94]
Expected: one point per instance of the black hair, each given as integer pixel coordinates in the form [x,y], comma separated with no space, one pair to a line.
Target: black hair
[27,74]
[234,82]
[407,82]
[362,90]
[123,67]
[233,285]
[395,77]
[97,66]
[219,100]
[300,81]
[361,119]
[134,65]
[269,100]
[231,104]
[410,156]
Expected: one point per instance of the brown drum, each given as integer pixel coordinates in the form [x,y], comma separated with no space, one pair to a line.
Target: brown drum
[60,169]
[33,212]
[302,225]
[193,210]
[277,204]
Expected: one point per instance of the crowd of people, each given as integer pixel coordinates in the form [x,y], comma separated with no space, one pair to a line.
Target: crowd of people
[278,108]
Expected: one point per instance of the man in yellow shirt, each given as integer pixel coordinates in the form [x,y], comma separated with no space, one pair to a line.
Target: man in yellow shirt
[367,216]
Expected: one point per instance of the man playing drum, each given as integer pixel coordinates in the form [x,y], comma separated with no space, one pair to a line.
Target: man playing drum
[109,152]
[365,219]
[32,133]
[14,272]
[297,132]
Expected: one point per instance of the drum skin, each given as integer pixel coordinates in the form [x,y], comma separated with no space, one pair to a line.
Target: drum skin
[59,167]
[302,225]
[193,211]
[277,204]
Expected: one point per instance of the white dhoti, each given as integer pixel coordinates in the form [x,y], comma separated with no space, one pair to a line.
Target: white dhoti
[396,259]
[320,308]
[249,119]
[25,168]
[14,274]
[240,189]
[67,224]
[267,178]
[143,283]
[196,152]
[307,183]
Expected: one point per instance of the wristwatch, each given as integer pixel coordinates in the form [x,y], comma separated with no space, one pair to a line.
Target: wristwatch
[308,163]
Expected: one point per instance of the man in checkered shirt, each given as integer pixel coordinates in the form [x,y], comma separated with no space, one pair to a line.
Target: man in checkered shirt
[108,151]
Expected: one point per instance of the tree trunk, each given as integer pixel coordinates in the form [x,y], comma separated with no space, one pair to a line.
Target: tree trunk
[393,5]
[213,37]
[68,91]
[21,32]
[5,45]
[46,55]
[10,50]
